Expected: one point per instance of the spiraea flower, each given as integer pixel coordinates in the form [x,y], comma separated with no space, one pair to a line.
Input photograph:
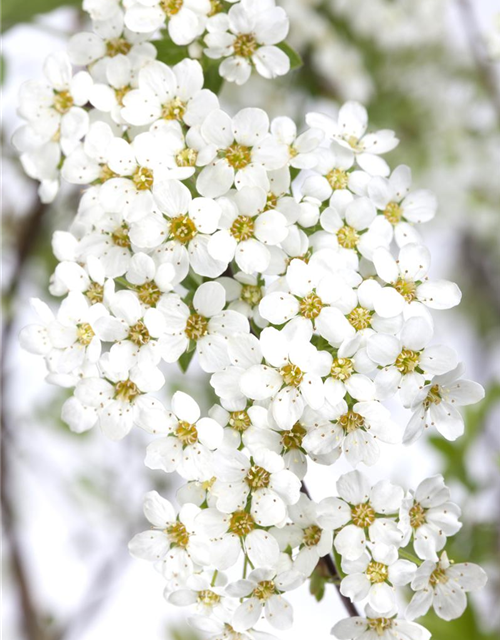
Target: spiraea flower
[373,625]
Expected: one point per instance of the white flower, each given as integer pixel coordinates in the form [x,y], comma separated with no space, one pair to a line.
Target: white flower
[243,293]
[170,94]
[306,532]
[355,431]
[172,542]
[203,591]
[262,592]
[88,279]
[408,361]
[443,585]
[407,282]
[435,405]
[357,513]
[262,479]
[206,324]
[388,627]
[401,208]
[231,534]
[186,18]
[333,165]
[149,280]
[292,376]
[189,440]
[108,96]
[242,145]
[375,577]
[429,517]
[245,37]
[349,130]
[301,148]
[247,227]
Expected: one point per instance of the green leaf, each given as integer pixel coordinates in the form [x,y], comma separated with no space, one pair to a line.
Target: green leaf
[185,360]
[295,58]
[213,79]
[14,11]
[317,583]
[169,52]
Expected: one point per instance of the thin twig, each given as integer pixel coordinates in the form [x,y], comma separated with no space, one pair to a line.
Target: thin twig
[329,564]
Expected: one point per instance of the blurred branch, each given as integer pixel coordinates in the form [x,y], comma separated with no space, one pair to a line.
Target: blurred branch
[476,44]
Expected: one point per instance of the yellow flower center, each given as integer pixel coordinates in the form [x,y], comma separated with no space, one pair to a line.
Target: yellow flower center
[63,101]
[95,292]
[186,432]
[291,375]
[121,93]
[208,598]
[139,334]
[148,293]
[171,7]
[347,237]
[353,142]
[407,361]
[106,173]
[178,535]
[310,306]
[363,515]
[238,155]
[264,590]
[126,391]
[143,179]
[379,625]
[241,523]
[393,213]
[245,45]
[433,397]
[182,229]
[117,46]
[292,439]
[337,179]
[239,420]
[417,516]
[271,201]
[120,236]
[84,333]
[360,318]
[215,8]
[351,421]
[438,577]
[242,228]
[257,477]
[342,369]
[173,110]
[377,572]
[251,294]
[312,536]
[196,326]
[407,288]
[186,158]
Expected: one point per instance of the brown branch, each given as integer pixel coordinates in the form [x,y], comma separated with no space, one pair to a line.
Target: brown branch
[329,564]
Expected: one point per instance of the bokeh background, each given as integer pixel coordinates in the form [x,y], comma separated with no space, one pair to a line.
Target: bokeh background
[430,70]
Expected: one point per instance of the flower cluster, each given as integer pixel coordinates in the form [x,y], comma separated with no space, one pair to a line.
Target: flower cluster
[308,307]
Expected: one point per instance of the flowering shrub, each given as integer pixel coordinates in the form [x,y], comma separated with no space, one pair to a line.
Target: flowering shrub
[270,255]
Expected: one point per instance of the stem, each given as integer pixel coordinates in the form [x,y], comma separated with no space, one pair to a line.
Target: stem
[409,556]
[245,567]
[329,564]
[214,578]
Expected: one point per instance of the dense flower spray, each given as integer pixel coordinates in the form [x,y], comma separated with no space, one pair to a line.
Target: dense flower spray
[309,309]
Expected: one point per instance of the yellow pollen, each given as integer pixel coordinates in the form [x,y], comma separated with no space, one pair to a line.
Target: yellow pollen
[417,516]
[178,535]
[245,45]
[173,110]
[117,46]
[351,421]
[379,625]
[187,433]
[143,179]
[241,523]
[393,213]
[84,333]
[63,101]
[257,477]
[312,536]
[126,391]
[148,293]
[271,201]
[196,326]
[347,237]
[215,8]
[407,288]
[239,420]
[292,439]
[120,236]
[310,306]
[377,572]
[242,228]
[106,173]
[95,292]
[438,577]
[186,158]
[139,334]
[121,93]
[342,369]
[182,229]
[238,155]
[251,294]
[363,515]
[264,590]
[208,598]
[433,397]
[171,7]
[291,375]
[360,318]
[337,179]
[407,361]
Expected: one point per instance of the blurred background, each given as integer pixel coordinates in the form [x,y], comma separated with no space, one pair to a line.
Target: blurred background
[430,70]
